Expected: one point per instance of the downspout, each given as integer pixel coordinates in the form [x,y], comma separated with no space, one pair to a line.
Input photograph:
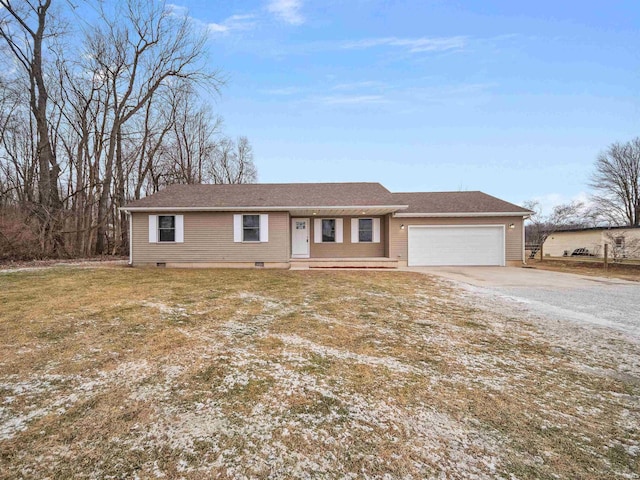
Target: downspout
[524,252]
[130,215]
[130,238]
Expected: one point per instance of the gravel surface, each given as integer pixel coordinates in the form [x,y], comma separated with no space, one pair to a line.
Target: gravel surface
[612,306]
[600,301]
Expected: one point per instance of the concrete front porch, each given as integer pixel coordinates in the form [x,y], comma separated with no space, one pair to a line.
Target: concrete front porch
[356,262]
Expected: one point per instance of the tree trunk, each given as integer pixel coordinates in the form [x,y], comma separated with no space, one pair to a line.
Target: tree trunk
[103,207]
[120,199]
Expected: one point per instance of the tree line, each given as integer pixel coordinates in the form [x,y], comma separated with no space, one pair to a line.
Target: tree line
[96,113]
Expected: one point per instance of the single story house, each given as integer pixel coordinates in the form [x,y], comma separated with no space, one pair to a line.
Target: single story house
[322,225]
[624,242]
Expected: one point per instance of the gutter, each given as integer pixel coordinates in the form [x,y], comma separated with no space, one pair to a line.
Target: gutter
[260,209]
[462,214]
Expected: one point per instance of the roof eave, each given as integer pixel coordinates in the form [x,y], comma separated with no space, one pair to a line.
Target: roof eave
[462,214]
[391,208]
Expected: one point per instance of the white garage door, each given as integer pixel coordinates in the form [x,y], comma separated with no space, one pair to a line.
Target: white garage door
[456,245]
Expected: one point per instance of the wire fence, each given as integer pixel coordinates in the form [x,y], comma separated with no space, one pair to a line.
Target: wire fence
[615,254]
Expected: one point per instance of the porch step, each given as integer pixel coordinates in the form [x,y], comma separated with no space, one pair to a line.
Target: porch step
[306,263]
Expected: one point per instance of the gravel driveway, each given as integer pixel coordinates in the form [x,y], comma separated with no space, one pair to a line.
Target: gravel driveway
[564,296]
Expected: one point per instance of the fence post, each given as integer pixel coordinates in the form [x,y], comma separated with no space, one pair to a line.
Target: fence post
[541,252]
[606,256]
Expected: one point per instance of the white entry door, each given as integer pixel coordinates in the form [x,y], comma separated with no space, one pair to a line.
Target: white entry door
[299,238]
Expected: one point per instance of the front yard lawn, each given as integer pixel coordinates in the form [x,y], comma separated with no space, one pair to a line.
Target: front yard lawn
[124,373]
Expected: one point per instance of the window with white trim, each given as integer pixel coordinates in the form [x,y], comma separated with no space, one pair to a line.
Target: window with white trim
[328,230]
[365,230]
[619,242]
[166,228]
[251,228]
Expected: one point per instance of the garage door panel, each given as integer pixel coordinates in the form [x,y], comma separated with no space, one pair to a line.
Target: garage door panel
[456,245]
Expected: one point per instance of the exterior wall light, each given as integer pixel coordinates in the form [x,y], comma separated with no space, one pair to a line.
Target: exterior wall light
[402,226]
[512,226]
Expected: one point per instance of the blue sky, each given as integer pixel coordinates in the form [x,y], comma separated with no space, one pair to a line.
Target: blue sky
[512,98]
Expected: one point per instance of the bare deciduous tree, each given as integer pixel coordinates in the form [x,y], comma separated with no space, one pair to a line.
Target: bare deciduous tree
[233,162]
[24,27]
[142,48]
[617,182]
[540,226]
[191,143]
[100,118]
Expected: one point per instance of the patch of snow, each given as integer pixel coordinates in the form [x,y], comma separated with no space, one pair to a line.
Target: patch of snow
[18,423]
[388,362]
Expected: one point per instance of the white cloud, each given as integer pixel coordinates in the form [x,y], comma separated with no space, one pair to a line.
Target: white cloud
[177,10]
[447,93]
[282,91]
[230,24]
[358,85]
[413,45]
[353,99]
[287,11]
[233,23]
[217,28]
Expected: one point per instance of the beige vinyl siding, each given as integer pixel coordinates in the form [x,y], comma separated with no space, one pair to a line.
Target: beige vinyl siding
[385,238]
[558,242]
[346,249]
[208,238]
[513,240]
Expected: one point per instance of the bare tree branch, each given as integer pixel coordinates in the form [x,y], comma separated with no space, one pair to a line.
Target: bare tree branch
[616,181]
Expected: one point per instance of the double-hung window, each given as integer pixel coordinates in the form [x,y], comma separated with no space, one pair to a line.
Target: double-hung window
[167,228]
[328,230]
[251,228]
[365,230]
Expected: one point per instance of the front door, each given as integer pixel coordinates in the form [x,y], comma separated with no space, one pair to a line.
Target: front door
[299,238]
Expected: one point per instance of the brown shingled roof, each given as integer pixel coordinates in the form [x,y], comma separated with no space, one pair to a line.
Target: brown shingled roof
[455,202]
[268,195]
[322,195]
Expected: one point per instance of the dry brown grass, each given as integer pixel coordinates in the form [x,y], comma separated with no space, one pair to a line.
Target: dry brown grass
[268,374]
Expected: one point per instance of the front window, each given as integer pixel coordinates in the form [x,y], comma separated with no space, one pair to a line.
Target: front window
[619,242]
[329,230]
[167,228]
[365,230]
[251,228]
